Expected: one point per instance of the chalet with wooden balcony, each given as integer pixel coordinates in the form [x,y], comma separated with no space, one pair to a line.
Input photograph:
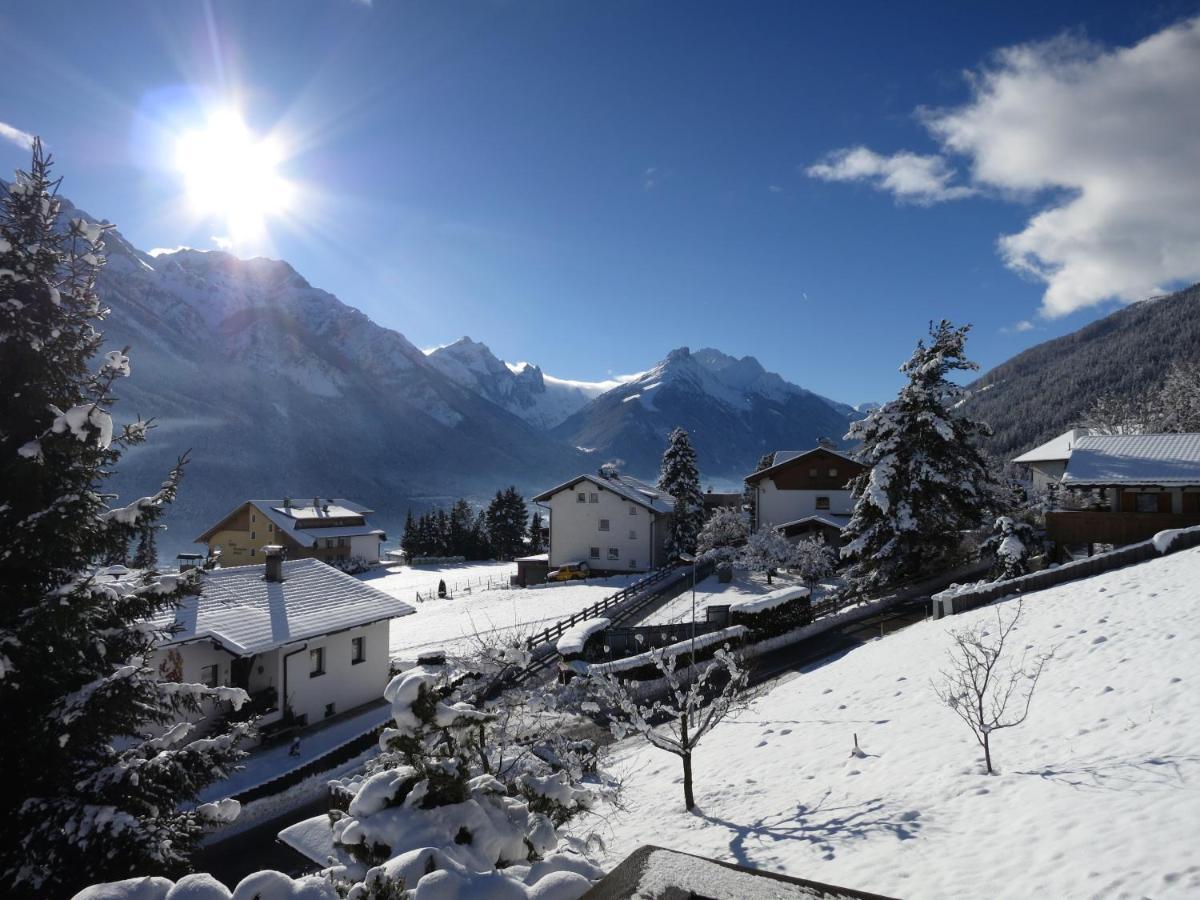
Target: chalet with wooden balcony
[328,529]
[1127,488]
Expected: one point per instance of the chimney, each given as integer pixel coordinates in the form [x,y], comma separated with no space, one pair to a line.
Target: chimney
[287,502]
[826,443]
[274,554]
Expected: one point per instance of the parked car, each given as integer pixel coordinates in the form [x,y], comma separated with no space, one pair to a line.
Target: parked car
[569,572]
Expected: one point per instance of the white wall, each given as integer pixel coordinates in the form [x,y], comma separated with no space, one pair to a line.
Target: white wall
[366,546]
[195,657]
[776,507]
[1043,474]
[575,529]
[344,684]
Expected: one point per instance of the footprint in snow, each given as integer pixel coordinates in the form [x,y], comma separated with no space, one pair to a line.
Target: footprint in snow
[1107,690]
[786,731]
[1176,680]
[1099,640]
[843,706]
[761,744]
[827,691]
[902,678]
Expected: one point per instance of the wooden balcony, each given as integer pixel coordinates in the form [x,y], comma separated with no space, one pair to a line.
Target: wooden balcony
[1075,527]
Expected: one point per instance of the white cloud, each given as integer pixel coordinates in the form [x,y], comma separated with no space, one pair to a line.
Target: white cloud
[222,242]
[16,135]
[910,177]
[163,251]
[1111,134]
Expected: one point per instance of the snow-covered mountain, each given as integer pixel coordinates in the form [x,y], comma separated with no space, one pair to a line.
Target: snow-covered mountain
[522,388]
[278,388]
[735,410]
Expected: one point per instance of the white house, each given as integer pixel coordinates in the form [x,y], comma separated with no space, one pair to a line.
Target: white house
[613,522]
[313,638]
[804,492]
[1047,462]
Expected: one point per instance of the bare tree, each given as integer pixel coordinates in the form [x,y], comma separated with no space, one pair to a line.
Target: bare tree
[1112,413]
[1178,404]
[680,719]
[981,684]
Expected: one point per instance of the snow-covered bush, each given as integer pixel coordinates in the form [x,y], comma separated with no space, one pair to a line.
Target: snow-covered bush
[765,551]
[776,613]
[812,559]
[265,885]
[1009,544]
[723,533]
[453,799]
[354,565]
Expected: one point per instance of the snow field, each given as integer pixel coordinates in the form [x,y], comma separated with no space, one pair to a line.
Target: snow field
[452,624]
[1098,793]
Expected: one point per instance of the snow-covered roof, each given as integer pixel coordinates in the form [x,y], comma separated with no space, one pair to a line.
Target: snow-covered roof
[785,457]
[632,489]
[804,520]
[1054,450]
[299,522]
[1134,459]
[244,613]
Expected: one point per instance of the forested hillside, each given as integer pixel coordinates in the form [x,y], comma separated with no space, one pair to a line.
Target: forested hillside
[1043,391]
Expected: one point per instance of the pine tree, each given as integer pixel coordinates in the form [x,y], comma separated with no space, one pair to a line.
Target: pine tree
[459,536]
[507,516]
[481,545]
[536,544]
[103,799]
[408,541]
[928,479]
[680,478]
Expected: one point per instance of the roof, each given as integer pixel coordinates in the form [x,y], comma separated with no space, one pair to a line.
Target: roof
[783,458]
[288,520]
[1056,449]
[1103,459]
[244,613]
[632,489]
[807,519]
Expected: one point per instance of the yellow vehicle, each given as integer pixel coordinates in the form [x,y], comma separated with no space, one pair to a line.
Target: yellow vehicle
[568,572]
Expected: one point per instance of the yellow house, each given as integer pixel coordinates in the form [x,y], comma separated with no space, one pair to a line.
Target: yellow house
[326,529]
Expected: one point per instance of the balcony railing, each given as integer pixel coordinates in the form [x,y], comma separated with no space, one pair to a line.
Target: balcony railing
[1075,527]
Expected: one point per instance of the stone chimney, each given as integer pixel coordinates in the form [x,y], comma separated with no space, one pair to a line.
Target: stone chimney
[274,554]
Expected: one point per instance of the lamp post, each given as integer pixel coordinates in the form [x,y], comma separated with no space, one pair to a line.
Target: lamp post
[690,558]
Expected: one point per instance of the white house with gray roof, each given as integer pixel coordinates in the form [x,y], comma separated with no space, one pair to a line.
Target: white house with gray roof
[612,522]
[299,636]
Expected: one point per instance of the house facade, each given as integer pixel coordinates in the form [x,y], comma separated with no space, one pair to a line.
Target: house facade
[1127,488]
[326,529]
[1047,463]
[613,522]
[305,640]
[804,493]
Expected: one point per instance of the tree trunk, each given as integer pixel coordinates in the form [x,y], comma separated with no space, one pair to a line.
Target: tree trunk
[987,753]
[689,799]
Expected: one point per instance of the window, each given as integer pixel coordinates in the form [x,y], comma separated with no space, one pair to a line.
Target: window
[270,526]
[341,542]
[633,509]
[581,497]
[614,553]
[812,473]
[1146,503]
[208,675]
[316,659]
[358,650]
[633,564]
[594,552]
[253,536]
[822,503]
[593,497]
[330,709]
[833,473]
[252,551]
[632,535]
[328,543]
[252,518]
[604,524]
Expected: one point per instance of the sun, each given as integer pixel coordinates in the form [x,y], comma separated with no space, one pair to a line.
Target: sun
[231,174]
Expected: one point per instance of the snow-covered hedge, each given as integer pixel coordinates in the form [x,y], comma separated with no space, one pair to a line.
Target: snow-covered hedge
[575,638]
[643,666]
[265,885]
[773,613]
[436,560]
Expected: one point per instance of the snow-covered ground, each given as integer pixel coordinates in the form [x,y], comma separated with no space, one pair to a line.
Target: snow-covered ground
[744,586]
[1098,793]
[453,623]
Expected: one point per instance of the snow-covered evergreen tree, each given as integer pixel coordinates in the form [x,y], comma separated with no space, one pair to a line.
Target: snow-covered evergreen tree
[722,534]
[766,550]
[1010,544]
[103,798]
[680,478]
[408,540]
[927,482]
[146,554]
[507,518]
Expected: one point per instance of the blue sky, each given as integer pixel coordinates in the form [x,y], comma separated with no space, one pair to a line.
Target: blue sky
[587,185]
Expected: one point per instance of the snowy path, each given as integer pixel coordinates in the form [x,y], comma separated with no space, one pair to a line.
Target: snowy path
[266,763]
[1099,791]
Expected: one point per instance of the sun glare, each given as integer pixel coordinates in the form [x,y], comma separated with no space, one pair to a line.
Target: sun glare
[232,174]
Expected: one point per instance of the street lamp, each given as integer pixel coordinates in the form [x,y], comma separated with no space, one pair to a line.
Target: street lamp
[691,558]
